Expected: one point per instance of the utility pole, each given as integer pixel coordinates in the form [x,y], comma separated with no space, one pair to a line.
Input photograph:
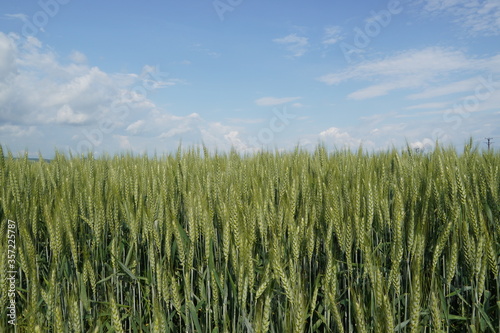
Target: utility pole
[489,142]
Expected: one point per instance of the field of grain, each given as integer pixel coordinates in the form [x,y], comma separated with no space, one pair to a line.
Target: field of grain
[298,241]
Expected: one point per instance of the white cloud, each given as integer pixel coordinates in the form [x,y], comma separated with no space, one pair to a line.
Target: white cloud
[166,126]
[434,5]
[339,138]
[80,107]
[295,44]
[432,105]
[159,129]
[447,89]
[411,70]
[479,17]
[172,132]
[427,62]
[153,78]
[450,127]
[270,101]
[216,134]
[41,90]
[66,115]
[335,133]
[424,144]
[200,48]
[332,35]
[246,120]
[123,142]
[78,57]
[9,130]
[234,139]
[374,91]
[7,57]
[18,16]
[136,127]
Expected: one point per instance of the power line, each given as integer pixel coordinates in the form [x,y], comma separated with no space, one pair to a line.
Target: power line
[489,142]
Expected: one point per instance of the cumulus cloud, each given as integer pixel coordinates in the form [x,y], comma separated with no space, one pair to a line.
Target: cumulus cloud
[40,90]
[234,139]
[339,138]
[173,132]
[424,144]
[9,130]
[161,130]
[136,127]
[7,57]
[66,115]
[450,126]
[123,142]
[78,57]
[386,131]
[80,107]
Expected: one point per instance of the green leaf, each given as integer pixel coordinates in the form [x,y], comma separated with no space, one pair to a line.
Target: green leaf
[402,325]
[194,316]
[126,270]
[455,317]
[485,318]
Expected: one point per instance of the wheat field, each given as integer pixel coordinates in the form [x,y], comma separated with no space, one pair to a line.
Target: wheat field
[298,241]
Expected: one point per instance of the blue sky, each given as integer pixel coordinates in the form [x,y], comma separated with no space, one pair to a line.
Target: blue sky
[113,76]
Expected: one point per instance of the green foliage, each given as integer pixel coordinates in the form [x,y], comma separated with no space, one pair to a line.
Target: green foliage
[270,242]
